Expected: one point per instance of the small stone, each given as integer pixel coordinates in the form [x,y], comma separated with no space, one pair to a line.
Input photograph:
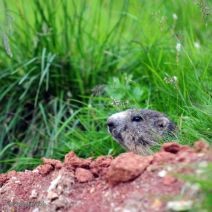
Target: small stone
[45,169]
[34,194]
[55,163]
[92,190]
[52,195]
[13,178]
[162,173]
[126,167]
[54,183]
[83,175]
[72,161]
[100,166]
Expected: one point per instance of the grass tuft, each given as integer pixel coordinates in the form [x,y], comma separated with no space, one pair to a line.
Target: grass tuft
[67,65]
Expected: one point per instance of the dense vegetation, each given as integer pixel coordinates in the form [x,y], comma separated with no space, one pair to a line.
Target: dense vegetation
[66,65]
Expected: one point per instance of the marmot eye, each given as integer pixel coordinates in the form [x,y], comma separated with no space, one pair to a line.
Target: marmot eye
[137,118]
[161,125]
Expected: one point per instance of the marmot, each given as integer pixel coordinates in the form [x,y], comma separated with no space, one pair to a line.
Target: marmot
[138,130]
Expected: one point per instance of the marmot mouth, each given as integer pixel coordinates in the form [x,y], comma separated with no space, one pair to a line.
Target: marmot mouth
[144,142]
[117,135]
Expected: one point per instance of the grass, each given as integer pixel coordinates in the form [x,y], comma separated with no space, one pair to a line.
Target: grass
[66,65]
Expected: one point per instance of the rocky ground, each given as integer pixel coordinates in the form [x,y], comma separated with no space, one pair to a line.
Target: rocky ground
[128,183]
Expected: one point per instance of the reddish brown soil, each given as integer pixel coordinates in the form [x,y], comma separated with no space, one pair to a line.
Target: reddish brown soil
[127,183]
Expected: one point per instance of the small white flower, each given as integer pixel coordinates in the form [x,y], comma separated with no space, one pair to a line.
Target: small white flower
[178,47]
[69,94]
[197,45]
[171,80]
[174,16]
[174,79]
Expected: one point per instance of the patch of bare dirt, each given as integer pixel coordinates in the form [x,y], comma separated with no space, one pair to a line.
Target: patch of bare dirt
[128,182]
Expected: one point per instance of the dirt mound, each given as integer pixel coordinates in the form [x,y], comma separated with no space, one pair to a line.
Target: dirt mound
[127,183]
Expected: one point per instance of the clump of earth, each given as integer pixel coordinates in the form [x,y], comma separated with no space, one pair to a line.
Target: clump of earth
[129,182]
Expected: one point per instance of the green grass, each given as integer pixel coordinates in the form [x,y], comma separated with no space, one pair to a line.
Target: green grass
[55,52]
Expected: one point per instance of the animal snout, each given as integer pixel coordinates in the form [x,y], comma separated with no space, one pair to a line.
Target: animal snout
[116,121]
[111,125]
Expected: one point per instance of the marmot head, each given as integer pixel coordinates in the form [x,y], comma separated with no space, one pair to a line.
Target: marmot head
[137,130]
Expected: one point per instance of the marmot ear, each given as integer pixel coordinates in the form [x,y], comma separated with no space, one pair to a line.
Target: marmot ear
[162,122]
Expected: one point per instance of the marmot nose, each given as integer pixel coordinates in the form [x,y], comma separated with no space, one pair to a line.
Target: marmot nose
[111,125]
